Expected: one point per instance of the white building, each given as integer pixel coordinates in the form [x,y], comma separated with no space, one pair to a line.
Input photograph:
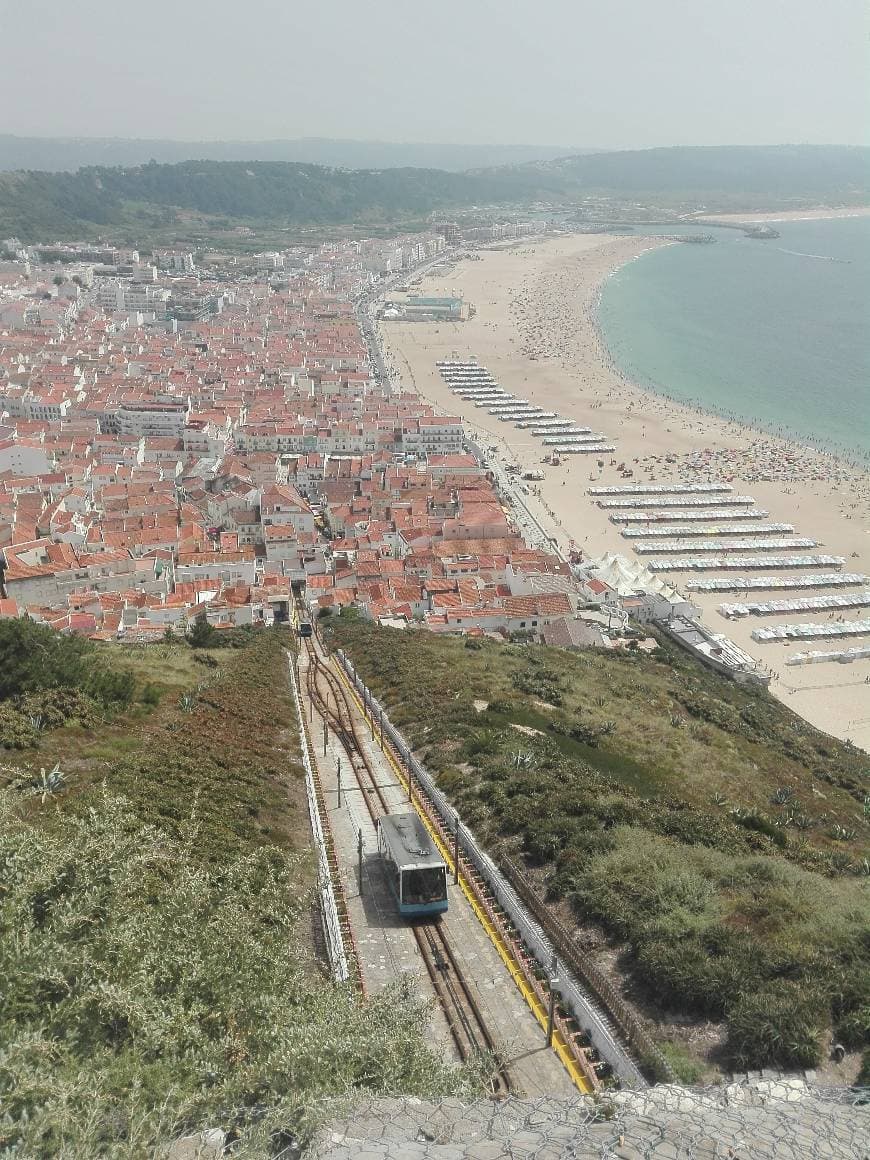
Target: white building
[138,419]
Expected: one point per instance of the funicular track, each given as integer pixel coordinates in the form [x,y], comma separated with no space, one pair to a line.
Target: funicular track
[344,924]
[466,1023]
[570,1039]
[468,1028]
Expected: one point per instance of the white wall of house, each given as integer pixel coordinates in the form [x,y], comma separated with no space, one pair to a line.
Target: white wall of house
[25,459]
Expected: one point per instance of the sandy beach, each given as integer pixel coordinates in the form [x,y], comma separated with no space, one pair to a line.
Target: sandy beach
[819,214]
[534,329]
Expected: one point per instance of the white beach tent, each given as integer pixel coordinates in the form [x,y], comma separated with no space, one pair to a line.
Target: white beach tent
[626,577]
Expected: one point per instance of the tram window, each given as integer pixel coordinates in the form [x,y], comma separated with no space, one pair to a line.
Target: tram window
[422,886]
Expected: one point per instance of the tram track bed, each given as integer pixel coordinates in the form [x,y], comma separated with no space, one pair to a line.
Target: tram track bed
[386,944]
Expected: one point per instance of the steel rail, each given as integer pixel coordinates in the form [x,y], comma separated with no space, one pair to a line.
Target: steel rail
[464,1017]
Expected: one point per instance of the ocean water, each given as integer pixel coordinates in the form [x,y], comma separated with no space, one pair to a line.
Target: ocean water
[772,331]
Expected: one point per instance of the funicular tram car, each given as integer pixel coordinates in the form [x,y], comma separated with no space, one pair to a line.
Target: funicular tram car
[416,872]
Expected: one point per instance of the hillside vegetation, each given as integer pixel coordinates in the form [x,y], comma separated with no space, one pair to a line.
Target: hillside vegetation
[100,199]
[718,843]
[156,918]
[37,205]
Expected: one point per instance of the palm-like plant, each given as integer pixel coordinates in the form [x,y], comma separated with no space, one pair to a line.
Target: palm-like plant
[50,783]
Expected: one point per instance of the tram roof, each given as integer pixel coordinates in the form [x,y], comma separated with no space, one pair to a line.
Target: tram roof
[410,843]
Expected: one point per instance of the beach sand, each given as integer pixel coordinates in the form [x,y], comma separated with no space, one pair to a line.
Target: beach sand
[534,329]
[820,213]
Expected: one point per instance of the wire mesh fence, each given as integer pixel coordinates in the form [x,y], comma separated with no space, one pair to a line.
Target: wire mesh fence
[777,1119]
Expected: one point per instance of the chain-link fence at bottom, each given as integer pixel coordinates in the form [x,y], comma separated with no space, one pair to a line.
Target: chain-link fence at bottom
[784,1119]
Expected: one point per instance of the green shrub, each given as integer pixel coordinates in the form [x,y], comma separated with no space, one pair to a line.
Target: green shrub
[540,682]
[111,686]
[34,657]
[146,996]
[54,707]
[150,694]
[687,1069]
[480,743]
[781,1028]
[449,779]
[762,825]
[16,729]
[202,634]
[503,707]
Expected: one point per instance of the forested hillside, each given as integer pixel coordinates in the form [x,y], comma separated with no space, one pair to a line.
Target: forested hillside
[38,206]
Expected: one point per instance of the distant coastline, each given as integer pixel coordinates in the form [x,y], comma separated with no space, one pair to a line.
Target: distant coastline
[820,214]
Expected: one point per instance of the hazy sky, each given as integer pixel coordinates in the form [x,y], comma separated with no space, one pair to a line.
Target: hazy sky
[612,73]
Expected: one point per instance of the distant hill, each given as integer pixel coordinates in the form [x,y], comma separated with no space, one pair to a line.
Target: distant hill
[35,205]
[71,153]
[780,171]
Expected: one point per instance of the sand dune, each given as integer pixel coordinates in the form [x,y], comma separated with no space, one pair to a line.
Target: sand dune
[535,330]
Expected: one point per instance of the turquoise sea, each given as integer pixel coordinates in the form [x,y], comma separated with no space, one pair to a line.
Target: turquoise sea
[773,332]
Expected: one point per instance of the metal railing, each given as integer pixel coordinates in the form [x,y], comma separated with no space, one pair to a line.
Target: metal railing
[601,987]
[335,947]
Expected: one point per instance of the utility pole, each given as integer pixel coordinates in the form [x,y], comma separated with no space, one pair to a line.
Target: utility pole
[339,781]
[325,736]
[551,1015]
[456,849]
[359,854]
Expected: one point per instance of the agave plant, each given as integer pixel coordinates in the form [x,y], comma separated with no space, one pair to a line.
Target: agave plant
[522,759]
[187,702]
[842,833]
[50,783]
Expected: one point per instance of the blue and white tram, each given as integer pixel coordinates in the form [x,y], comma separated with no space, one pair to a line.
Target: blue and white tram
[416,872]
